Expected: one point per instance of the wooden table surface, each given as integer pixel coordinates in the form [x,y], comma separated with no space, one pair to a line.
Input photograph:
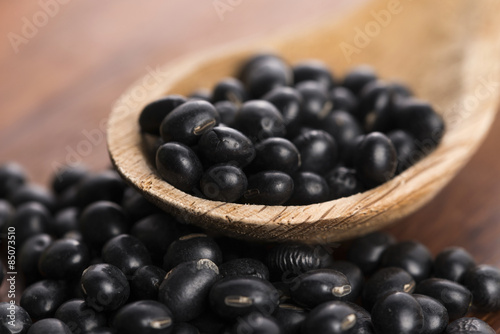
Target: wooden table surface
[64,63]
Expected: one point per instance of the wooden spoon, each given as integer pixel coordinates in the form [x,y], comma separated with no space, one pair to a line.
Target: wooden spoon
[447,51]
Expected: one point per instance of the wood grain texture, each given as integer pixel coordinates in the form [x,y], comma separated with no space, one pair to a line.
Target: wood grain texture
[458,50]
[67,78]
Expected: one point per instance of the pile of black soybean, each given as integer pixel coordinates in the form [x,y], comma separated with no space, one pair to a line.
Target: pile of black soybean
[281,135]
[97,258]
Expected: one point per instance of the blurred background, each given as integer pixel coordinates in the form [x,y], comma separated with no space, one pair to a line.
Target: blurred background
[64,63]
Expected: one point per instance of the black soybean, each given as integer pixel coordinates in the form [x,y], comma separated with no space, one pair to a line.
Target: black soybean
[357,78]
[229,89]
[42,298]
[456,298]
[276,154]
[484,283]
[49,325]
[22,320]
[179,165]
[64,259]
[385,281]
[192,247]
[259,119]
[257,323]
[269,188]
[153,114]
[290,317]
[435,315]
[127,253]
[224,183]
[30,253]
[452,263]
[227,112]
[342,182]
[186,123]
[375,159]
[12,176]
[366,251]
[64,221]
[33,193]
[79,317]
[363,320]
[308,188]
[288,101]
[226,145]
[29,220]
[313,70]
[67,177]
[146,281]
[145,317]
[233,297]
[262,74]
[406,149]
[469,326]
[185,328]
[354,276]
[342,126]
[315,102]
[104,287]
[104,186]
[343,99]
[318,151]
[318,286]
[412,256]
[186,287]
[398,313]
[332,318]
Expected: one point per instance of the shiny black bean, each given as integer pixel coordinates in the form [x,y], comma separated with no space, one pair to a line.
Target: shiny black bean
[201,94]
[369,96]
[137,206]
[6,212]
[375,159]
[342,126]
[229,89]
[262,74]
[452,263]
[290,317]
[33,193]
[223,183]
[186,123]
[342,182]
[268,188]
[30,253]
[288,101]
[227,112]
[42,298]
[30,219]
[156,232]
[382,117]
[354,276]
[12,177]
[127,253]
[146,281]
[363,320]
[79,317]
[315,102]
[357,78]
[435,315]
[145,317]
[22,319]
[103,186]
[102,221]
[412,256]
[385,281]
[318,286]
[49,325]
[256,323]
[186,287]
[406,150]
[226,145]
[64,221]
[313,70]
[184,328]
[209,323]
[469,326]
[308,188]
[67,177]
[287,261]
[332,317]
[343,99]
[318,151]
[422,121]
[64,259]
[233,297]
[104,287]
[366,251]
[259,119]
[179,165]
[153,114]
[192,247]
[484,283]
[244,267]
[102,330]
[398,313]
[456,298]
[276,154]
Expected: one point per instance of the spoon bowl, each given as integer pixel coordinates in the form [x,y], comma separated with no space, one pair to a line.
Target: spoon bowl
[446,52]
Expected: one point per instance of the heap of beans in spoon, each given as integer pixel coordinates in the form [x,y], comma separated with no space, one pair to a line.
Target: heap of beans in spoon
[281,135]
[96,257]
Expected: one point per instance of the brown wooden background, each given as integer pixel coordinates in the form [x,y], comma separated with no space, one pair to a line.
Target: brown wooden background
[60,83]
